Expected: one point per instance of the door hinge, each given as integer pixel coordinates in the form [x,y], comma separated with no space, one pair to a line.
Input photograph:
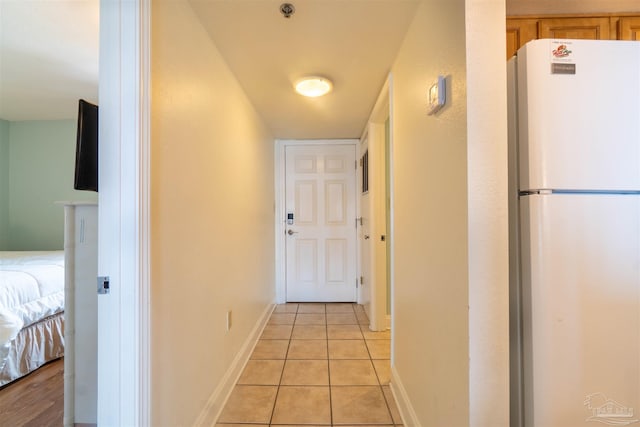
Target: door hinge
[361,280]
[356,282]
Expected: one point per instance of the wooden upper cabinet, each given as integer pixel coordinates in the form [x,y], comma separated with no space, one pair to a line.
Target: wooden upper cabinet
[629,28]
[574,28]
[519,32]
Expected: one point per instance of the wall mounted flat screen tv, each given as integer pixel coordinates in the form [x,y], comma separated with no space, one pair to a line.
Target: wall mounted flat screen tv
[86,172]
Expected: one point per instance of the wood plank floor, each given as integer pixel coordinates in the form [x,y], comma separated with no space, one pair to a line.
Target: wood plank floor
[36,400]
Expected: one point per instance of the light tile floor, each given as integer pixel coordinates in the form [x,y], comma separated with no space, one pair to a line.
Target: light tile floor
[315,365]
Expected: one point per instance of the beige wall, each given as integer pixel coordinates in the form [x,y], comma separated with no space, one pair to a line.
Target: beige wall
[431,340]
[212,201]
[539,7]
[488,216]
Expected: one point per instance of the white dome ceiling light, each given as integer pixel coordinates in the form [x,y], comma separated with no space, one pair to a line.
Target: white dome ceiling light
[313,86]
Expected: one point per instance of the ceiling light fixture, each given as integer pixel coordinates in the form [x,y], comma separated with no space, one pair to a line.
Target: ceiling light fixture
[313,86]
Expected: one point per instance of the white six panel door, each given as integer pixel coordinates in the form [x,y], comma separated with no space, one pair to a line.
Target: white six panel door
[320,194]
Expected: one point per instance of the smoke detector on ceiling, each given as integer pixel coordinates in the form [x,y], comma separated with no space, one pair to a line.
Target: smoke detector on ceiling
[287,9]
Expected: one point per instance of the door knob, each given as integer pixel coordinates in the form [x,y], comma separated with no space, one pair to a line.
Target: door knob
[366,237]
[291,232]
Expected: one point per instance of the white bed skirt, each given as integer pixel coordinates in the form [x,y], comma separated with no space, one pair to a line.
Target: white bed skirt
[34,346]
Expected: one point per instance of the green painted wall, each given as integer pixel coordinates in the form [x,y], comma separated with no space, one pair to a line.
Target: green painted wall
[4,185]
[41,168]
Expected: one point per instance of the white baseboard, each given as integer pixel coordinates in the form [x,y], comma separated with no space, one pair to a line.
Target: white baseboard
[210,413]
[409,417]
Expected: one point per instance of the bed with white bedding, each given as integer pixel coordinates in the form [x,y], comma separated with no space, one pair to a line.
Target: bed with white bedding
[31,311]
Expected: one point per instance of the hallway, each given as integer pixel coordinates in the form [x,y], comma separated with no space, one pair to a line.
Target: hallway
[315,365]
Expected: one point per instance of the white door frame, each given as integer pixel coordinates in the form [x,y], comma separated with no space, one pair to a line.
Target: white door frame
[123,209]
[280,209]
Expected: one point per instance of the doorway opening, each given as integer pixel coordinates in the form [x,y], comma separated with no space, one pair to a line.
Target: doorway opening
[375,215]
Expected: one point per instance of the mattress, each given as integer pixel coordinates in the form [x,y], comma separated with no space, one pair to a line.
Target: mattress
[31,285]
[31,289]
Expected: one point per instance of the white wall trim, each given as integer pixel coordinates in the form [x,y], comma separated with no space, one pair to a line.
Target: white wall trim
[214,406]
[144,196]
[409,417]
[123,243]
[280,220]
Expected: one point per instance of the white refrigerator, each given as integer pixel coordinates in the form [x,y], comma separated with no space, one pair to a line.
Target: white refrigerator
[575,233]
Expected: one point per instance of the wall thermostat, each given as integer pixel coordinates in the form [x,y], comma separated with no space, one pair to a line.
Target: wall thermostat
[437,95]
